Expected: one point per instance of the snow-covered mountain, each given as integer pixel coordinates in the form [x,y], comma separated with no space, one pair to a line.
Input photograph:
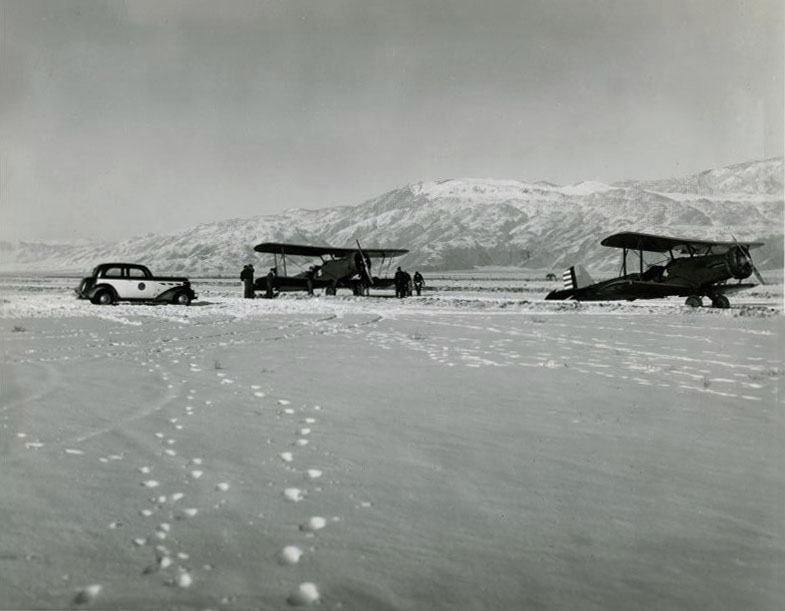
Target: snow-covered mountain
[461,223]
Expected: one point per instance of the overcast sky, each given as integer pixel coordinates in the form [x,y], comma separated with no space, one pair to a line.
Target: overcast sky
[122,118]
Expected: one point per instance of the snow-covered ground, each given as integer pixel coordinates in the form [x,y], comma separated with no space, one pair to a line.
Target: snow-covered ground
[475,448]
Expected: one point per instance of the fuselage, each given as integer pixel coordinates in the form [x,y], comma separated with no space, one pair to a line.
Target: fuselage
[343,272]
[682,276]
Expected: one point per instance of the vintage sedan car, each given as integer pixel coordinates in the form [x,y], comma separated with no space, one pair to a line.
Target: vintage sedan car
[113,282]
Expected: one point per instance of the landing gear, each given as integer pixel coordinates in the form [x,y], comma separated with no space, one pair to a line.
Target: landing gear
[330,290]
[717,301]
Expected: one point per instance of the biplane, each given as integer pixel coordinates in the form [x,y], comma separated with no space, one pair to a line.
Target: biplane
[336,268]
[687,268]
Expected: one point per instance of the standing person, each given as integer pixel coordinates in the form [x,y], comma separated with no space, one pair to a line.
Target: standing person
[419,282]
[270,282]
[400,287]
[243,276]
[407,284]
[247,277]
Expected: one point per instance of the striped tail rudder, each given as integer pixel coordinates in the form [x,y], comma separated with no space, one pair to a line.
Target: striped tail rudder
[568,279]
[576,278]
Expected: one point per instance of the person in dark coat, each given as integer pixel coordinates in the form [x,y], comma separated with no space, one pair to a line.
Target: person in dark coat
[271,282]
[419,282]
[309,276]
[247,277]
[407,284]
[400,283]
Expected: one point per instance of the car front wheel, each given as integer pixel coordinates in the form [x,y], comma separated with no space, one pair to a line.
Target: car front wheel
[103,297]
[182,298]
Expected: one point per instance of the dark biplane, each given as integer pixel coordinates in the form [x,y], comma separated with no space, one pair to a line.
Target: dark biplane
[349,268]
[690,268]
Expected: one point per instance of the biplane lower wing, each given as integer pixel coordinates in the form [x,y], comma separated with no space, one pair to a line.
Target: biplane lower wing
[286,284]
[291,283]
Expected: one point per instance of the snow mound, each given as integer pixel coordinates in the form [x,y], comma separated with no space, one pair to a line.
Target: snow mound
[305,594]
[290,555]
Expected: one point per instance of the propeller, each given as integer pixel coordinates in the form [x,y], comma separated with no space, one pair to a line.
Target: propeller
[366,273]
[746,251]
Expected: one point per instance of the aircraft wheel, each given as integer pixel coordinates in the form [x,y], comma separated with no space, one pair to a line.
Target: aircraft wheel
[329,291]
[720,301]
[694,301]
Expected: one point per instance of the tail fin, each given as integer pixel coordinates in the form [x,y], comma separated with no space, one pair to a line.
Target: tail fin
[576,278]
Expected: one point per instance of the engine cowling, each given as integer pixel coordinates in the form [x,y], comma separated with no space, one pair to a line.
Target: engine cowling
[738,262]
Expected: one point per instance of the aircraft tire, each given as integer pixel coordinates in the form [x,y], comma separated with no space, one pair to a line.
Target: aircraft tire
[720,301]
[694,301]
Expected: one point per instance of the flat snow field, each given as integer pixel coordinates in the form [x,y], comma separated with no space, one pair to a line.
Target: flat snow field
[446,452]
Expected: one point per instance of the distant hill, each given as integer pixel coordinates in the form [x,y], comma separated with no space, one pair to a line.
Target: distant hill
[462,223]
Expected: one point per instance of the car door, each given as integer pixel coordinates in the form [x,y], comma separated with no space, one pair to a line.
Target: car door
[114,276]
[140,284]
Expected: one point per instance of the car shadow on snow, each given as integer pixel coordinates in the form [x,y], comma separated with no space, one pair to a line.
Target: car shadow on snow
[163,304]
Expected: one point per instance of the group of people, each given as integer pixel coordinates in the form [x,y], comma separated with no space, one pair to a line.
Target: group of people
[248,281]
[404,283]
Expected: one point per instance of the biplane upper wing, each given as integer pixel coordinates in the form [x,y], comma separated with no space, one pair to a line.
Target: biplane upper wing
[303,250]
[383,253]
[655,243]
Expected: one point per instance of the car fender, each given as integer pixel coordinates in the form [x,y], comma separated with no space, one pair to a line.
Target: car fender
[169,294]
[93,290]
